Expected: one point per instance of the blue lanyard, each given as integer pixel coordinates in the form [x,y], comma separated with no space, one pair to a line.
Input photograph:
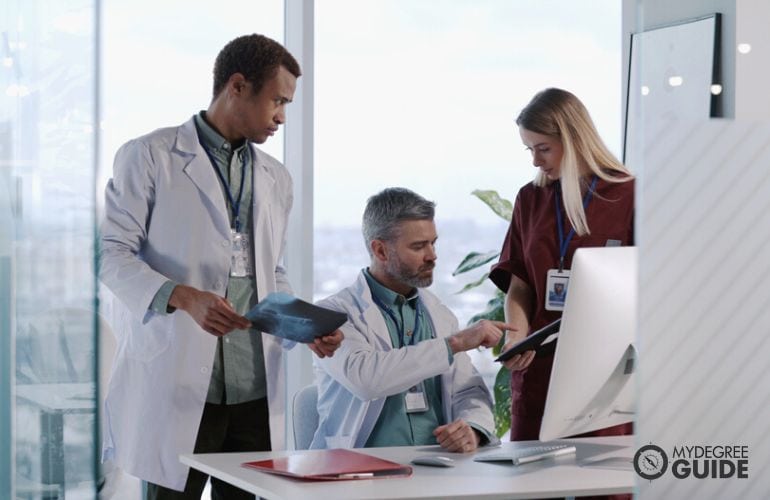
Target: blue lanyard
[395,321]
[234,204]
[564,242]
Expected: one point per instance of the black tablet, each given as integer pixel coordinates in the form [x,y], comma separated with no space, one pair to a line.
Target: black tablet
[532,342]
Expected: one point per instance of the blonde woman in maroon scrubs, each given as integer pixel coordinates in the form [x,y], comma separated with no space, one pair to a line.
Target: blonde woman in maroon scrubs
[582,196]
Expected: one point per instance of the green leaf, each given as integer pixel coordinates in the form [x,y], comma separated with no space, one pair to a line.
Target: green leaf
[494,310]
[474,284]
[499,205]
[502,408]
[474,260]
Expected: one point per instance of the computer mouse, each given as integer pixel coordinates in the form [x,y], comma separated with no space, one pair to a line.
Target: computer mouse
[434,461]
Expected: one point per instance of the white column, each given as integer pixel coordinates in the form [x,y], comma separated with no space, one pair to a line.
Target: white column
[298,157]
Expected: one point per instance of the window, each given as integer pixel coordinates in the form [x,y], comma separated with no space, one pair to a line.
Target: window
[418,94]
[157,63]
[424,95]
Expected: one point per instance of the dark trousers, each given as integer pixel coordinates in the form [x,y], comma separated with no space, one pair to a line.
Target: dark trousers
[223,428]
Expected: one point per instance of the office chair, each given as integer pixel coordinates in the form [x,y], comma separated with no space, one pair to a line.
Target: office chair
[305,419]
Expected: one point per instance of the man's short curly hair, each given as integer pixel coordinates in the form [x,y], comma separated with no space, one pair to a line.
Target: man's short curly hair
[256,57]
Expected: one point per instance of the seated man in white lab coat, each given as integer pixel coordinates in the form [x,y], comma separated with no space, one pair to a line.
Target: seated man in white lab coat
[401,377]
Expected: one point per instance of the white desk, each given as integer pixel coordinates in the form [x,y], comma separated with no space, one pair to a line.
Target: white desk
[563,476]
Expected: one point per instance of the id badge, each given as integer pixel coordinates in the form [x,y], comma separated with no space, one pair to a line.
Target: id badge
[556,289]
[415,399]
[241,263]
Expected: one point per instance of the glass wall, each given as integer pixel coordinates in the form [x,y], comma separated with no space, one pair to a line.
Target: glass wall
[424,95]
[48,144]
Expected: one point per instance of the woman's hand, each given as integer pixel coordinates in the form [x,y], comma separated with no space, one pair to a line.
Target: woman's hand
[518,308]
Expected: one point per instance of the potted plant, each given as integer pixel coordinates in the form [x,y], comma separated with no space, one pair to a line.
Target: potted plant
[494,308]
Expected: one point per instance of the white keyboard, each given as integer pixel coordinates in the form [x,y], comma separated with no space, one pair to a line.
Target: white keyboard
[526,455]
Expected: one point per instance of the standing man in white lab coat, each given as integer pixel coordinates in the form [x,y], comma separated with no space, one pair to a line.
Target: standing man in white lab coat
[194,229]
[402,378]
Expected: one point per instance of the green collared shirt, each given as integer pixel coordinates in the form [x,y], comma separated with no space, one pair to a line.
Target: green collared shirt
[396,427]
[238,374]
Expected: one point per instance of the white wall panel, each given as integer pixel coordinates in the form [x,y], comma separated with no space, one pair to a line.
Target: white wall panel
[704,338]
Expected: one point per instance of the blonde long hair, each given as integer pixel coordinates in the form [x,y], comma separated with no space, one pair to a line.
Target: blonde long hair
[558,113]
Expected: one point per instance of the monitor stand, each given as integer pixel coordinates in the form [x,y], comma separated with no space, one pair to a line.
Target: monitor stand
[617,381]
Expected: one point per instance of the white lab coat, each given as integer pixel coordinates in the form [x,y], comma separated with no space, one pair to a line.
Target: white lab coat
[166,218]
[366,369]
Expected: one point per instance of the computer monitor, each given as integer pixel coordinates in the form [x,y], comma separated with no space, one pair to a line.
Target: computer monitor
[592,380]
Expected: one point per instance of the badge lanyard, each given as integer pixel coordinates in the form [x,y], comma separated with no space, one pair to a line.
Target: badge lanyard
[400,330]
[557,280]
[415,400]
[241,258]
[234,204]
[564,242]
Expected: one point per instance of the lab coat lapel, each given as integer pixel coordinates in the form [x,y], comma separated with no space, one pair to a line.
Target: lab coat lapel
[198,167]
[263,184]
[372,315]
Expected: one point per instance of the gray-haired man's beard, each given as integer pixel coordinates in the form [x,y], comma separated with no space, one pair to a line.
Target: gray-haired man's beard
[398,271]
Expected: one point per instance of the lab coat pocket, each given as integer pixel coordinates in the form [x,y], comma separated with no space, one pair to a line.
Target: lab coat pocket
[150,337]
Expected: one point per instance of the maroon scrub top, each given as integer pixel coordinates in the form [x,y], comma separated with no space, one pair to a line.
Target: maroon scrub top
[530,249]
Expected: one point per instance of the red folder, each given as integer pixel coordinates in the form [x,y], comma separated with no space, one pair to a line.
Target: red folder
[331,465]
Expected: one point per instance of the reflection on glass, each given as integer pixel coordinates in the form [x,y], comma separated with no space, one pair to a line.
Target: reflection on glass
[47,161]
[675,81]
